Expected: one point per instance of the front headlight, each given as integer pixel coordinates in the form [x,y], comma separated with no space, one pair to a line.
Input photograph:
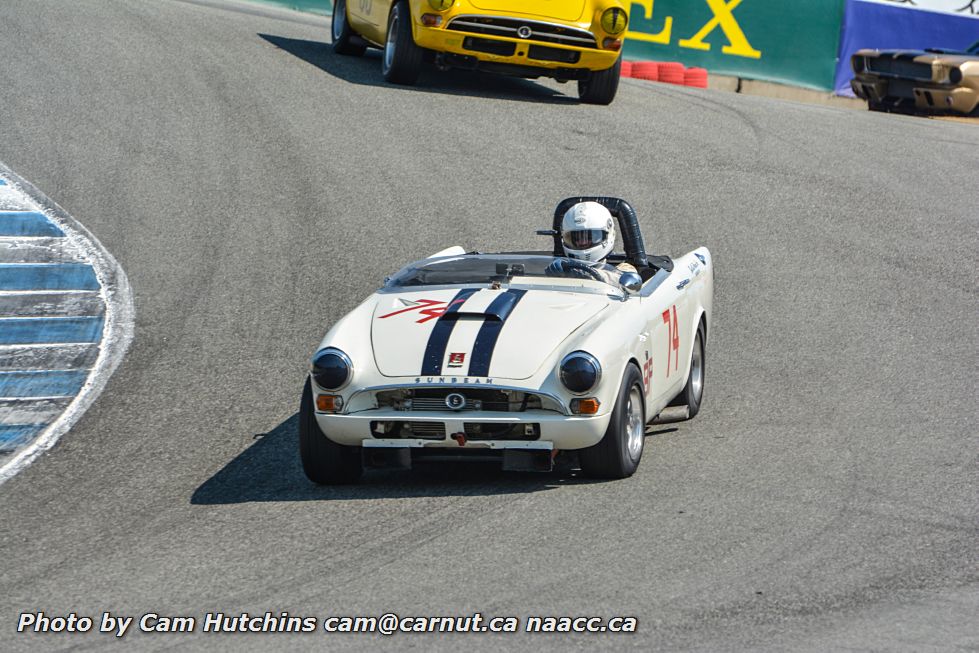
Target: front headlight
[331,368]
[615,20]
[580,372]
[440,5]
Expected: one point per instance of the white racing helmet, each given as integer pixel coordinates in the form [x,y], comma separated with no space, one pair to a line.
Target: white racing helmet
[588,232]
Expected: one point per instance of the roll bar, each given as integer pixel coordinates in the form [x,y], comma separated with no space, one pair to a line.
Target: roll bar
[635,249]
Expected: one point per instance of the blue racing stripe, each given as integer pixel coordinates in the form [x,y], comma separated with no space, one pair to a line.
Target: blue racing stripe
[13,436]
[439,338]
[48,276]
[490,332]
[42,384]
[27,223]
[49,330]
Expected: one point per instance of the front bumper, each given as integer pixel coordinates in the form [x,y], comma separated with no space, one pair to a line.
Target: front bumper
[559,432]
[928,96]
[529,58]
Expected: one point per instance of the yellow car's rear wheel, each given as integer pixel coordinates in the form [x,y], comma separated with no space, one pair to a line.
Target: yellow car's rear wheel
[343,36]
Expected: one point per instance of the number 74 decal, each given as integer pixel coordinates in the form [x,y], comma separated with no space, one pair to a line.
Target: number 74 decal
[673,340]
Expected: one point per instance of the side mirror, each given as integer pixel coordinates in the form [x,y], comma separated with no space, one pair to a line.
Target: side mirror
[630,281]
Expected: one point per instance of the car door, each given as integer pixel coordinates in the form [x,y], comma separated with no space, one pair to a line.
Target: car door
[369,18]
[667,310]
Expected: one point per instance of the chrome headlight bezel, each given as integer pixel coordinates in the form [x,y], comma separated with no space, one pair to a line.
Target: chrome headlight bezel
[318,370]
[573,386]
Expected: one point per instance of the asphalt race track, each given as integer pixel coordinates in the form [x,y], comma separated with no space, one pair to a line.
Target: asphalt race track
[255,187]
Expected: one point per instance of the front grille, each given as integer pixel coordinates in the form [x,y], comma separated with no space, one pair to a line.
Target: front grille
[544,53]
[476,399]
[436,403]
[501,48]
[433,399]
[899,68]
[900,88]
[508,27]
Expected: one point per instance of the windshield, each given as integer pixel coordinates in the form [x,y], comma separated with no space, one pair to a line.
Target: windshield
[502,268]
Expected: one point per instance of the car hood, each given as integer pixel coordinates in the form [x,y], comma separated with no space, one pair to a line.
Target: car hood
[568,10]
[475,332]
[926,56]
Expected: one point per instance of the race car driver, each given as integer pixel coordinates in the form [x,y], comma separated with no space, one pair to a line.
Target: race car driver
[588,236]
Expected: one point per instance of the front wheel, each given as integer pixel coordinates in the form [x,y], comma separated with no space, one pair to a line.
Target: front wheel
[618,453]
[601,86]
[343,36]
[324,461]
[402,61]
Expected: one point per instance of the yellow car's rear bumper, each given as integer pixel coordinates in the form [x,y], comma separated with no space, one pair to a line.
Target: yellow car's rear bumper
[519,53]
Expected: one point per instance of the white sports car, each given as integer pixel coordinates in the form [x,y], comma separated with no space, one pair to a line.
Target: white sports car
[512,357]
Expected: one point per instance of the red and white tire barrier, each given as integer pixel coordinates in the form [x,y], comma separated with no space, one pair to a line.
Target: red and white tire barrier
[648,70]
[696,77]
[669,72]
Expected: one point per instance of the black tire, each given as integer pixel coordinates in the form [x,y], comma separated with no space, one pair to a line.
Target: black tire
[613,457]
[692,395]
[324,461]
[601,86]
[342,34]
[401,62]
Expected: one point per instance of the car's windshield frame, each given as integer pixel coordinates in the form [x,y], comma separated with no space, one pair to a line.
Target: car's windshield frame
[512,270]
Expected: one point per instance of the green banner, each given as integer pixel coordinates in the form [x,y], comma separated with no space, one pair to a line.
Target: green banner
[774,40]
[324,7]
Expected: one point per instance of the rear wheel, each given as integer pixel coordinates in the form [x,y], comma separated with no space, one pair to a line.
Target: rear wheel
[343,36]
[324,461]
[402,61]
[601,86]
[692,394]
[617,455]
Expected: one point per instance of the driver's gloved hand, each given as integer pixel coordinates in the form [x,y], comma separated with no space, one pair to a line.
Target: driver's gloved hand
[557,268]
[567,268]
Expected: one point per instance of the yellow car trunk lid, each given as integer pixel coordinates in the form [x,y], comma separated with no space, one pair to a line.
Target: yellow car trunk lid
[568,10]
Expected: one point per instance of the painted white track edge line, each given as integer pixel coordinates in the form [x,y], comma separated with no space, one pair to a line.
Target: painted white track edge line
[116,335]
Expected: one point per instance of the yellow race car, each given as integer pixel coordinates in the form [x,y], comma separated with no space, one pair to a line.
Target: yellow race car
[564,39]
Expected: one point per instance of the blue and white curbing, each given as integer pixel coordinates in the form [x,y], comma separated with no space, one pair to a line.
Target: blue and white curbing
[66,320]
